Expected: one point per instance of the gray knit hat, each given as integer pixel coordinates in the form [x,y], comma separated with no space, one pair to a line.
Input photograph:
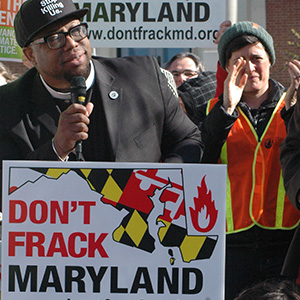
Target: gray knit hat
[248,28]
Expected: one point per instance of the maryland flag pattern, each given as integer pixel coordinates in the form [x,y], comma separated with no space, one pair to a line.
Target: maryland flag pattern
[132,190]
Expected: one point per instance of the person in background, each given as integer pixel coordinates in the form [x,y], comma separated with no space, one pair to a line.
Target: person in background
[6,76]
[184,66]
[194,85]
[243,128]
[130,112]
[271,290]
[289,159]
[193,92]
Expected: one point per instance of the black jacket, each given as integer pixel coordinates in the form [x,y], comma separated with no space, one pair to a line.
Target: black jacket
[196,92]
[145,123]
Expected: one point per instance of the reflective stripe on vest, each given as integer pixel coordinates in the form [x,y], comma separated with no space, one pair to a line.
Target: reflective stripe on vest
[255,191]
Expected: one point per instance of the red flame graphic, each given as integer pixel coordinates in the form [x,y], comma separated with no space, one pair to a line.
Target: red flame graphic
[204,200]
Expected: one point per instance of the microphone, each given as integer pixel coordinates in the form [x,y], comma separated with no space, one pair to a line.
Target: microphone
[78,89]
[78,94]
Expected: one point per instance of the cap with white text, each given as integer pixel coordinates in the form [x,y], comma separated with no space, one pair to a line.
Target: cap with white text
[35,15]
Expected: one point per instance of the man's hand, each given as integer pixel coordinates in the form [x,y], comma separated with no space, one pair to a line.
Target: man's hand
[72,127]
[234,86]
[182,104]
[223,26]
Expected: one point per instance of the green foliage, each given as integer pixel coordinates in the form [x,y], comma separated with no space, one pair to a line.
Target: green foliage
[291,54]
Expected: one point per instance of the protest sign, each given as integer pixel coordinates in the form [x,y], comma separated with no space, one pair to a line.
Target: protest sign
[153,24]
[74,231]
[128,24]
[9,49]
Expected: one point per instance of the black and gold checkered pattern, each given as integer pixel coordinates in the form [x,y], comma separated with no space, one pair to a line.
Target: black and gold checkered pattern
[133,230]
[191,247]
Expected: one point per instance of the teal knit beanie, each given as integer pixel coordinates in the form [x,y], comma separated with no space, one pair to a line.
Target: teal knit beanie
[248,28]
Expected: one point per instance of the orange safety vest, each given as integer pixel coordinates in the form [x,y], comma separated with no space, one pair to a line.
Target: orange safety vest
[255,191]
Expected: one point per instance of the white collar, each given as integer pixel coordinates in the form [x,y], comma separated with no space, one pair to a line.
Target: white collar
[59,95]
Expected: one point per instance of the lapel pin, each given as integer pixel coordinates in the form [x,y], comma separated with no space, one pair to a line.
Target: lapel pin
[113,95]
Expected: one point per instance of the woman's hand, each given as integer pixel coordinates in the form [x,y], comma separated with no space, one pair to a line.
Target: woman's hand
[234,86]
[291,94]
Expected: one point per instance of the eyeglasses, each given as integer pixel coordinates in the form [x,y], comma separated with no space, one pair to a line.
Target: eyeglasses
[58,39]
[187,73]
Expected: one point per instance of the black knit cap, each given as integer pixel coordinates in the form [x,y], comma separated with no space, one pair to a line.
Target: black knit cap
[245,28]
[35,15]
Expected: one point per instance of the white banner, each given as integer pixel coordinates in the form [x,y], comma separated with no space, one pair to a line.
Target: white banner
[154,24]
[113,231]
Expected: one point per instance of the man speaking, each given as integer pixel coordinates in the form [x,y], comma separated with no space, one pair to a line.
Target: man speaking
[130,113]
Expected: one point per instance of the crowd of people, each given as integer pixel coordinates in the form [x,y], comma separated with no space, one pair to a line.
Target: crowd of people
[236,116]
[243,128]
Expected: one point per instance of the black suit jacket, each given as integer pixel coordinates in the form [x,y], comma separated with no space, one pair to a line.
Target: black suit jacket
[145,122]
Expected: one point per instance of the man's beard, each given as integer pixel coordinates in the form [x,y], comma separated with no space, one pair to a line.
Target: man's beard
[81,71]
